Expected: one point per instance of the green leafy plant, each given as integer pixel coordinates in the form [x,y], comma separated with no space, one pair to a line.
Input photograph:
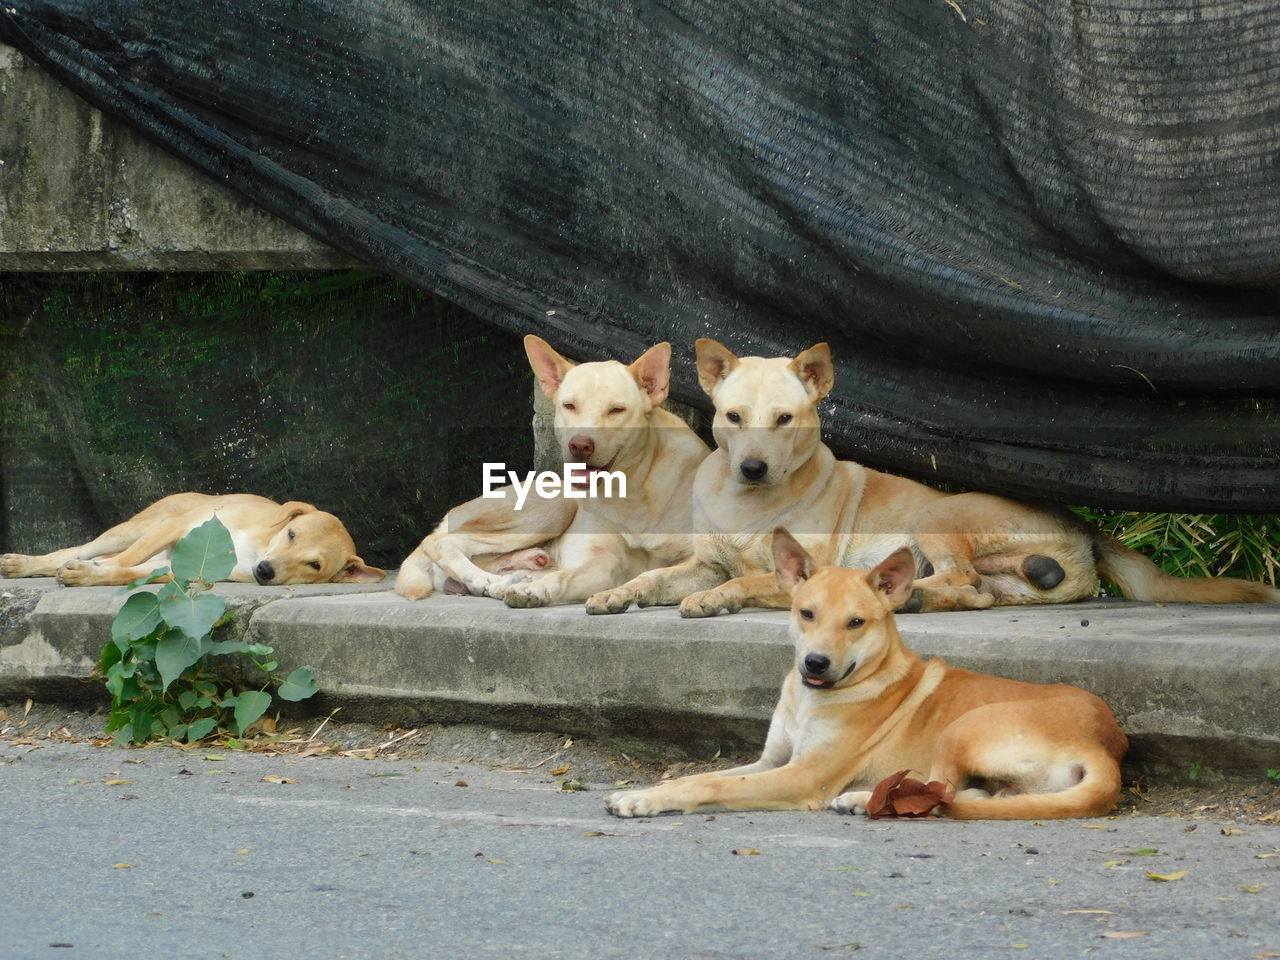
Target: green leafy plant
[168,678]
[1273,775]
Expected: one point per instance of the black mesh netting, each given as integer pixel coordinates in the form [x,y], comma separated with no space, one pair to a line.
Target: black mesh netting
[352,391]
[1042,238]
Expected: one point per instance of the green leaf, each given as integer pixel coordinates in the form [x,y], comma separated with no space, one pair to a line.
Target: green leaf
[206,553]
[250,705]
[110,656]
[201,728]
[298,685]
[137,618]
[187,699]
[225,647]
[176,651]
[115,680]
[193,615]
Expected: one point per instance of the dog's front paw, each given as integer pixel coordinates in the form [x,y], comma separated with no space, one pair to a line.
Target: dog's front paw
[524,595]
[638,803]
[610,601]
[708,603]
[76,573]
[855,801]
[497,587]
[15,565]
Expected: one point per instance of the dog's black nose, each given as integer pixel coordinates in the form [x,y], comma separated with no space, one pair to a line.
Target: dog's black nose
[816,664]
[753,469]
[264,572]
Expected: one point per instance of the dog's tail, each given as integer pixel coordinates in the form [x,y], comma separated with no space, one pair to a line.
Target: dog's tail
[1140,579]
[1093,796]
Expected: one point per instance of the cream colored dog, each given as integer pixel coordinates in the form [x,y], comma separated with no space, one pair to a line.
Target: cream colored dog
[275,543]
[858,706]
[771,469]
[607,418]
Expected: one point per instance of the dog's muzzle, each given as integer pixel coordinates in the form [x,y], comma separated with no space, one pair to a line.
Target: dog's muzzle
[813,669]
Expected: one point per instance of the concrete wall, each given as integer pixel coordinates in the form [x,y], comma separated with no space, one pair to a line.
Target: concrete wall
[79,191]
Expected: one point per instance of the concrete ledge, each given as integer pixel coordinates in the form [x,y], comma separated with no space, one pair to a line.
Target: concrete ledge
[1188,683]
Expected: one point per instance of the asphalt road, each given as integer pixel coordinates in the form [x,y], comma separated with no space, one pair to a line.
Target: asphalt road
[111,853]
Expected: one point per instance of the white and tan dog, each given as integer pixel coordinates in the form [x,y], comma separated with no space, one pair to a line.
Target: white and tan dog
[858,706]
[608,418]
[974,550]
[275,543]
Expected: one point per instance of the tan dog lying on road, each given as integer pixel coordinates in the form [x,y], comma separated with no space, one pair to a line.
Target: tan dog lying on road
[859,705]
[974,550]
[607,417]
[275,543]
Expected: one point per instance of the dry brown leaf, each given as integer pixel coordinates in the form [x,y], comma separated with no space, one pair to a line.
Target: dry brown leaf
[746,852]
[117,783]
[1167,877]
[122,866]
[1124,934]
[1232,832]
[1251,887]
[561,771]
[462,783]
[1110,912]
[901,796]
[273,778]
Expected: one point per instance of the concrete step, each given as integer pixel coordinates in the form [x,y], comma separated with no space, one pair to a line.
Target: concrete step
[1189,683]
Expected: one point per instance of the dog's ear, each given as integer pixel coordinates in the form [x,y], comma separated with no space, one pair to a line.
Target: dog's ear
[816,371]
[357,571]
[548,366]
[715,362]
[791,564]
[652,371]
[294,508]
[894,576]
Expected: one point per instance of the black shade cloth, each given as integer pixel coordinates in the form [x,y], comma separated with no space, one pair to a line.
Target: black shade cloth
[1043,239]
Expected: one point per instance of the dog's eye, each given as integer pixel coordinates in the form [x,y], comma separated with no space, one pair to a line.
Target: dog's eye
[292,534]
[569,406]
[314,564]
[806,614]
[616,410]
[856,622]
[733,417]
[784,419]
